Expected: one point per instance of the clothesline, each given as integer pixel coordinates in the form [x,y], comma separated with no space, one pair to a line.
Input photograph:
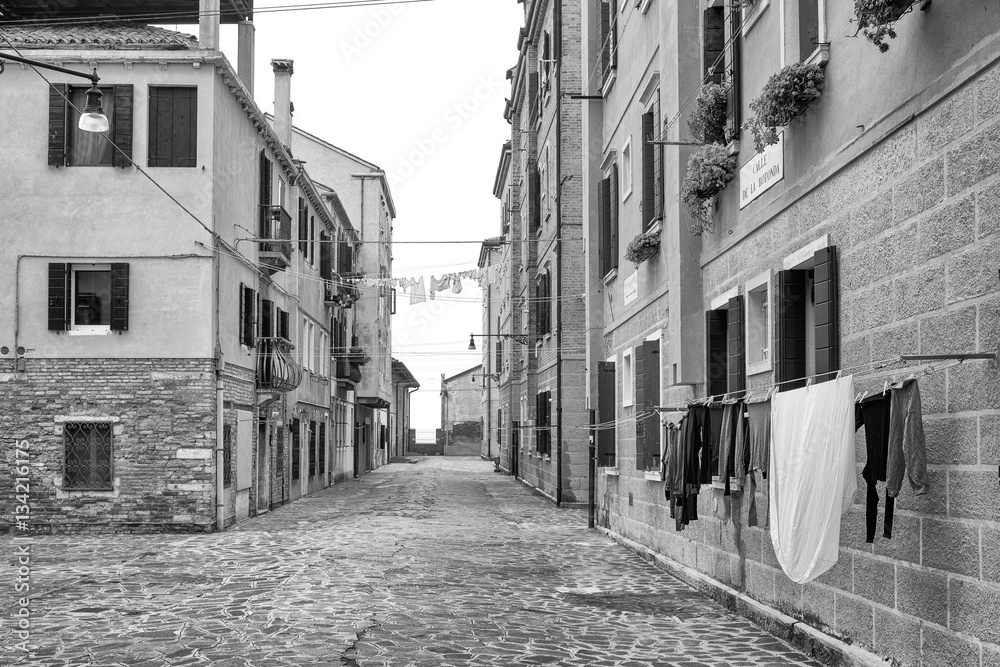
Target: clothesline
[879,365]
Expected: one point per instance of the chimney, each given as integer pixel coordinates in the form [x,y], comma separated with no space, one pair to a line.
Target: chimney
[283,100]
[209,16]
[246,35]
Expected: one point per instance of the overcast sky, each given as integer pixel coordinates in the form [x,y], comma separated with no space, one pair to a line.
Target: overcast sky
[419,90]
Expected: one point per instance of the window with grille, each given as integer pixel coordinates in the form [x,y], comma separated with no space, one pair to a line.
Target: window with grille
[543,422]
[227,455]
[312,448]
[87,462]
[296,450]
[322,448]
[279,452]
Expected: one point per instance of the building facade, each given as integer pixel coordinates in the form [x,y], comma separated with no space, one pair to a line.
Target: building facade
[863,234]
[542,380]
[403,385]
[495,295]
[168,364]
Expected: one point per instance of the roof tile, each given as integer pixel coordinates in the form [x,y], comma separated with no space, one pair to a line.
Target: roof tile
[110,35]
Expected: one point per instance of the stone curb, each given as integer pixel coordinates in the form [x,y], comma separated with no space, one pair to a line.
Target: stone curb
[813,642]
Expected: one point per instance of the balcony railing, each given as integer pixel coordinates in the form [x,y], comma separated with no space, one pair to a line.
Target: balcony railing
[332,291]
[275,237]
[276,369]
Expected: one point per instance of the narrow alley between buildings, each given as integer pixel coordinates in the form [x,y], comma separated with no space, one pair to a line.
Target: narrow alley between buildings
[442,562]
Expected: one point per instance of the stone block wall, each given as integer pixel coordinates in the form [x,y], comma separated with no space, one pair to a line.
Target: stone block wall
[916,220]
[163,443]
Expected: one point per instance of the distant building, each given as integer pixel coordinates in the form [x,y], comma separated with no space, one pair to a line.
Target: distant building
[496,308]
[461,413]
[403,386]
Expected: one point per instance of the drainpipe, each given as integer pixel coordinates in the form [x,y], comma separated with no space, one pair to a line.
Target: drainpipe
[220,415]
[557,38]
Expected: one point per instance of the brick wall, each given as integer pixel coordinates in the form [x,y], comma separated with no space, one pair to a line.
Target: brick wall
[916,220]
[163,458]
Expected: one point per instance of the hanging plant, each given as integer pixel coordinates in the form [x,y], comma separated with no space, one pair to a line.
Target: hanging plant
[785,95]
[642,247]
[708,171]
[876,19]
[708,120]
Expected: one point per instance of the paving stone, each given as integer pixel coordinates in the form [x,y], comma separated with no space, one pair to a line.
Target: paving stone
[434,564]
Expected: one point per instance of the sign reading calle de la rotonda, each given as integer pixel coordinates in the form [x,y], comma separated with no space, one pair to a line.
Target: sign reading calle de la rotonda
[762,171]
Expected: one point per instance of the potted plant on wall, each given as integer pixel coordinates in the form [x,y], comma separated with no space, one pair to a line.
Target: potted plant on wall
[786,94]
[708,171]
[643,246]
[876,18]
[708,120]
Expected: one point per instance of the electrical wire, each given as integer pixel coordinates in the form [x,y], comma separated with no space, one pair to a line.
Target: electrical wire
[171,17]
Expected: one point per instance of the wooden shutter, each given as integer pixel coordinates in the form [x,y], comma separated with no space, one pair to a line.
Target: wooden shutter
[119,297]
[322,447]
[605,39]
[303,227]
[648,176]
[613,33]
[737,345]
[266,231]
[733,69]
[714,42]
[717,353]
[657,163]
[282,324]
[826,301]
[613,204]
[639,363]
[58,296]
[58,116]
[122,132]
[606,406]
[294,427]
[247,326]
[604,223]
[325,257]
[792,299]
[173,127]
[647,396]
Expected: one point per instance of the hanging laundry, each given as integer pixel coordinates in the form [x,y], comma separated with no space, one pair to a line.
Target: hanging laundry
[812,477]
[419,293]
[907,445]
[759,427]
[727,442]
[456,284]
[741,451]
[873,414]
[438,285]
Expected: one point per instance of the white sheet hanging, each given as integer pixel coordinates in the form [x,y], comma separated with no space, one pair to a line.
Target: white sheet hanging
[812,479]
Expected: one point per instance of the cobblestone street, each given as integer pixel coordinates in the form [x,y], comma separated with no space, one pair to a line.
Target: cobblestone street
[442,562]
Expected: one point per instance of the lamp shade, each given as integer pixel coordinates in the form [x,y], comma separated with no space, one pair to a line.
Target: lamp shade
[92,118]
[472,341]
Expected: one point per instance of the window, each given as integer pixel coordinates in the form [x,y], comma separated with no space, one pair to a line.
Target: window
[608,213]
[724,346]
[609,42]
[543,168]
[248,315]
[312,448]
[71,147]
[647,397]
[173,127]
[758,324]
[546,64]
[543,429]
[499,426]
[322,447]
[88,298]
[227,455]
[721,52]
[499,357]
[312,240]
[652,165]
[543,305]
[296,449]
[279,452]
[752,12]
[628,378]
[606,413]
[807,30]
[303,228]
[87,461]
[808,332]
[534,196]
[627,169]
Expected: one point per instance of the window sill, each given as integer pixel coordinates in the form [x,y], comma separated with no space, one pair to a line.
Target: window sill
[644,7]
[762,367]
[610,471]
[610,276]
[821,56]
[626,194]
[102,331]
[654,476]
[609,83]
